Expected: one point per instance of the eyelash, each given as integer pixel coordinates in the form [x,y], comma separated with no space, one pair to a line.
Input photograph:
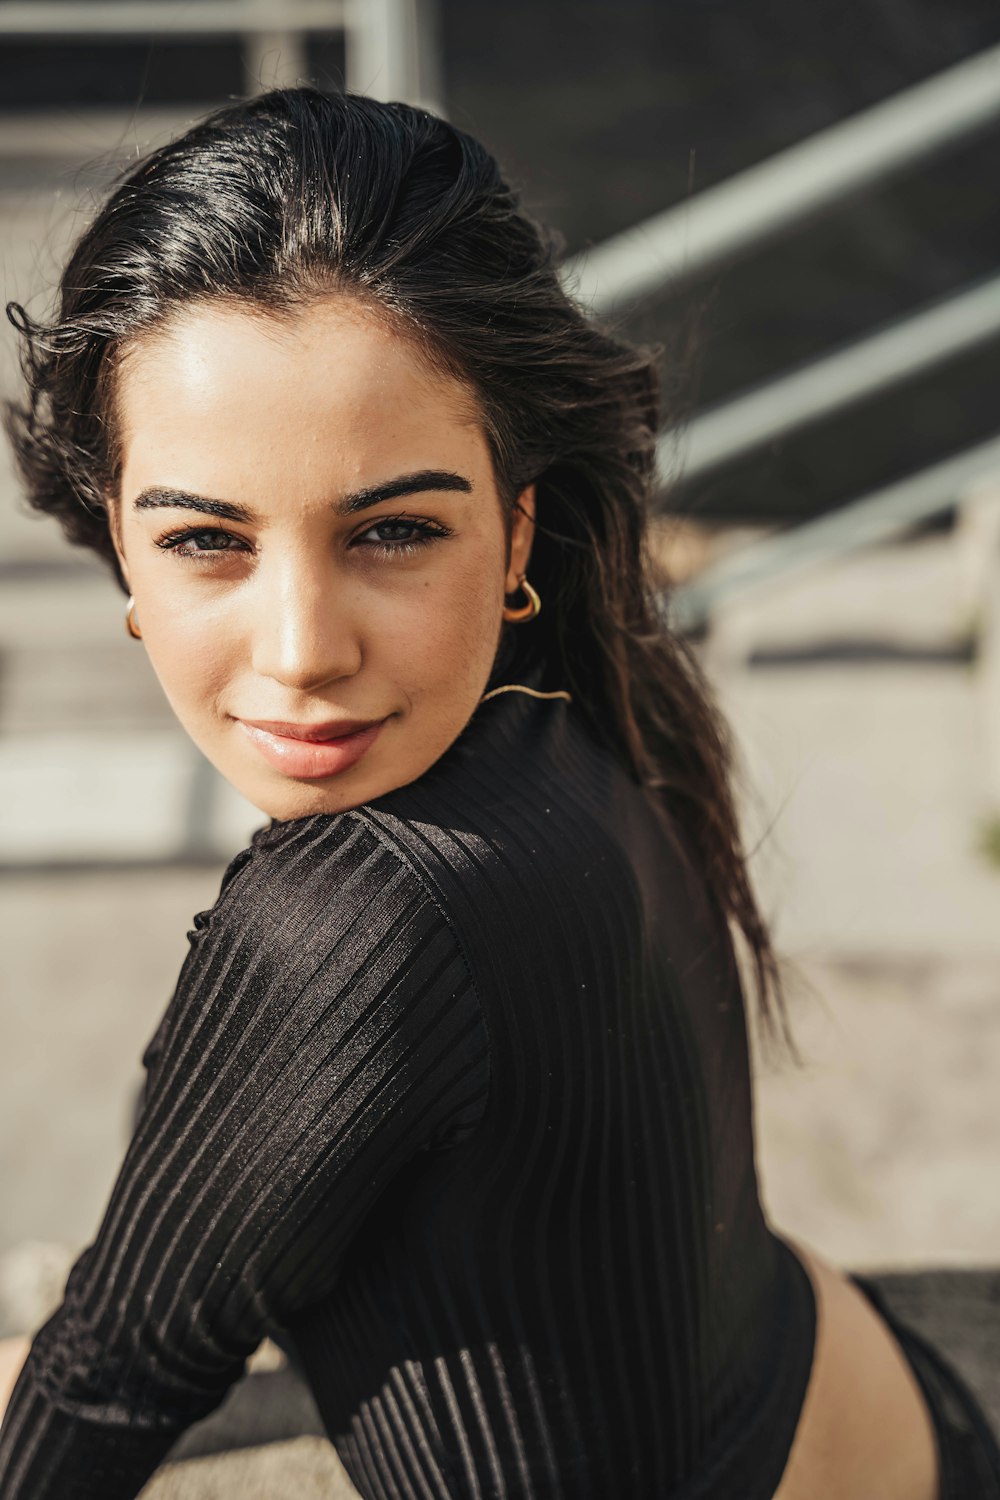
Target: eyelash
[426,531]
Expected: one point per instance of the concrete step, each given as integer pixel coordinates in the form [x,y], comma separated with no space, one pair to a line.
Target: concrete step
[146,796]
[94,767]
[915,599]
[867,802]
[305,1467]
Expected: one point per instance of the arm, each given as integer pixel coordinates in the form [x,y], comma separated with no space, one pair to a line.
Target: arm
[323,1030]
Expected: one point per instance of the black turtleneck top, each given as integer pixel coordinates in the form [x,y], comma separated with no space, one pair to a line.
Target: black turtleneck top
[454,1092]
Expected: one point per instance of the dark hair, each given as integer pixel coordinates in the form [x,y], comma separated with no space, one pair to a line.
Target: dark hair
[277,199]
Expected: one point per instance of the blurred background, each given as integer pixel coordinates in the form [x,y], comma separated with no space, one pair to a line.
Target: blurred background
[797,203]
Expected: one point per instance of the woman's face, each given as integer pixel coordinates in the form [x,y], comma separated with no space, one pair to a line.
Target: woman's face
[309,523]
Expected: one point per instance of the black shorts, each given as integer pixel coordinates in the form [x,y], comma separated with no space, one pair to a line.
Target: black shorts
[968,1452]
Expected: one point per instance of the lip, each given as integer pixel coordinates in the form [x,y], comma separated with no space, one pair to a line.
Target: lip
[333,729]
[310,752]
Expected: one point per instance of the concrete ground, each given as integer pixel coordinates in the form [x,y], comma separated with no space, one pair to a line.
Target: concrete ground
[306,1467]
[868,779]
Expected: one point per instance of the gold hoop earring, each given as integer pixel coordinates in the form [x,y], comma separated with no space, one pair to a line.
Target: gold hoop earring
[130,621]
[524,611]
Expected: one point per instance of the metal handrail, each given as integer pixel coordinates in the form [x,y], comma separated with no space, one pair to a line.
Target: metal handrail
[744,212]
[937,333]
[880,517]
[162,17]
[389,45]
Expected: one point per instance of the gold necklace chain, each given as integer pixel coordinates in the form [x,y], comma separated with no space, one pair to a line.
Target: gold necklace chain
[519,687]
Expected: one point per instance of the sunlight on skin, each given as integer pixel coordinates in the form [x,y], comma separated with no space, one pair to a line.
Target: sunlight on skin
[864,1432]
[296,611]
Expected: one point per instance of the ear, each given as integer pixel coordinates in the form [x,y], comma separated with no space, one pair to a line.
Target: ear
[522,534]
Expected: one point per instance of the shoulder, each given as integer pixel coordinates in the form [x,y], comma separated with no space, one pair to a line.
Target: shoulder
[522,809]
[325,943]
[324,874]
[315,908]
[518,814]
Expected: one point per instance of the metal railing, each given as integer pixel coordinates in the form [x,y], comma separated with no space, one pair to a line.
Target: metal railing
[696,238]
[951,327]
[875,518]
[744,212]
[390,53]
[167,17]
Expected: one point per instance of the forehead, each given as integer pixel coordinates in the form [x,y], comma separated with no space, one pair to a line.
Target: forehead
[327,391]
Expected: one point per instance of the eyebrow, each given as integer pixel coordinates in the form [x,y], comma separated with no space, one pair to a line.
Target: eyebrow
[160,497]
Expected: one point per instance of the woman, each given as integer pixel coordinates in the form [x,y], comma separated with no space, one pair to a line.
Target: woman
[453,1095]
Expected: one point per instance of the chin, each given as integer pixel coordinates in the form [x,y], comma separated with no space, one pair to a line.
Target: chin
[289,798]
[303,799]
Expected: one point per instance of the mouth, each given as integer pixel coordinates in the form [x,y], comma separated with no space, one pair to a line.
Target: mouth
[310,752]
[333,729]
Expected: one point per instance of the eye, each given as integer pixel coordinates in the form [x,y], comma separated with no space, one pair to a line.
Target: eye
[397,535]
[200,541]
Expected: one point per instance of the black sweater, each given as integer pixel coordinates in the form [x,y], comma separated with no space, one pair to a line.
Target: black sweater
[454,1091]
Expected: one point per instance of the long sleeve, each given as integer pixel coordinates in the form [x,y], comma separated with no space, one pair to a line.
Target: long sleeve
[324,1029]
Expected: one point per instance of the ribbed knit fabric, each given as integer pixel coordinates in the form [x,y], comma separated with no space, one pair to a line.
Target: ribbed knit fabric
[454,1092]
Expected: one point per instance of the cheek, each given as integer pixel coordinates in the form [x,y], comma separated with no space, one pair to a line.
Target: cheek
[194,652]
[446,635]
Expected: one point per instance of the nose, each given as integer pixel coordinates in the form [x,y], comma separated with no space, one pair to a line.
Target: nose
[305,634]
